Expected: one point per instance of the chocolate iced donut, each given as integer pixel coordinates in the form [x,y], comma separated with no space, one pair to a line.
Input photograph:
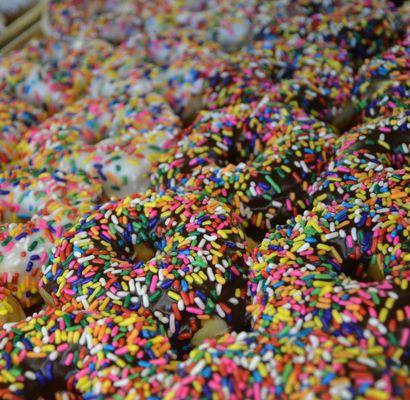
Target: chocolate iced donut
[259,158]
[83,355]
[331,269]
[343,265]
[366,154]
[286,364]
[382,83]
[181,256]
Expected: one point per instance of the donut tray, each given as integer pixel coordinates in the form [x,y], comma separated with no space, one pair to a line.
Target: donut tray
[25,27]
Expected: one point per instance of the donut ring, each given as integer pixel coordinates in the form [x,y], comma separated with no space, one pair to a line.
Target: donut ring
[364,155]
[261,365]
[83,354]
[181,256]
[301,273]
[364,30]
[382,83]
[36,207]
[274,153]
[122,138]
[15,118]
[51,75]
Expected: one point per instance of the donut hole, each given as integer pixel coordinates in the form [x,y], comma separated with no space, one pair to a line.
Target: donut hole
[142,252]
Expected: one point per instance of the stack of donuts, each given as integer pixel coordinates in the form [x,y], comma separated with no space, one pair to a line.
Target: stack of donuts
[207,200]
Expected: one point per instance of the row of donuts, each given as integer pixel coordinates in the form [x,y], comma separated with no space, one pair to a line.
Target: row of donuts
[190,72]
[329,292]
[190,305]
[244,212]
[118,169]
[98,173]
[234,24]
[266,177]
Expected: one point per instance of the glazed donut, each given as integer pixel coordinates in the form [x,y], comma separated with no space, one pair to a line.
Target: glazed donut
[51,75]
[25,239]
[15,118]
[78,139]
[307,364]
[382,83]
[55,354]
[24,249]
[181,256]
[258,158]
[127,72]
[94,20]
[229,27]
[25,193]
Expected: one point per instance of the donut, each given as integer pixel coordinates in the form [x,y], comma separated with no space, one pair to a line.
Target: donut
[15,118]
[181,256]
[382,83]
[301,275]
[52,75]
[307,364]
[36,208]
[119,156]
[343,265]
[24,248]
[228,26]
[167,46]
[365,154]
[87,354]
[259,158]
[123,73]
[364,29]
[94,20]
[320,81]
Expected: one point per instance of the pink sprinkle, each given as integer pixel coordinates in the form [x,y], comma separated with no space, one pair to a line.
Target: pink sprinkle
[194,310]
[121,351]
[62,347]
[68,359]
[405,337]
[159,361]
[9,247]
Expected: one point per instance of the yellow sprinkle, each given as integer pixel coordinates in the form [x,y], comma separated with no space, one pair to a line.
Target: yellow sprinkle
[324,247]
[220,279]
[173,295]
[377,394]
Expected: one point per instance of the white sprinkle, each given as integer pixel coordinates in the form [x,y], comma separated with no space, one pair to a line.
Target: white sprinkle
[220,312]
